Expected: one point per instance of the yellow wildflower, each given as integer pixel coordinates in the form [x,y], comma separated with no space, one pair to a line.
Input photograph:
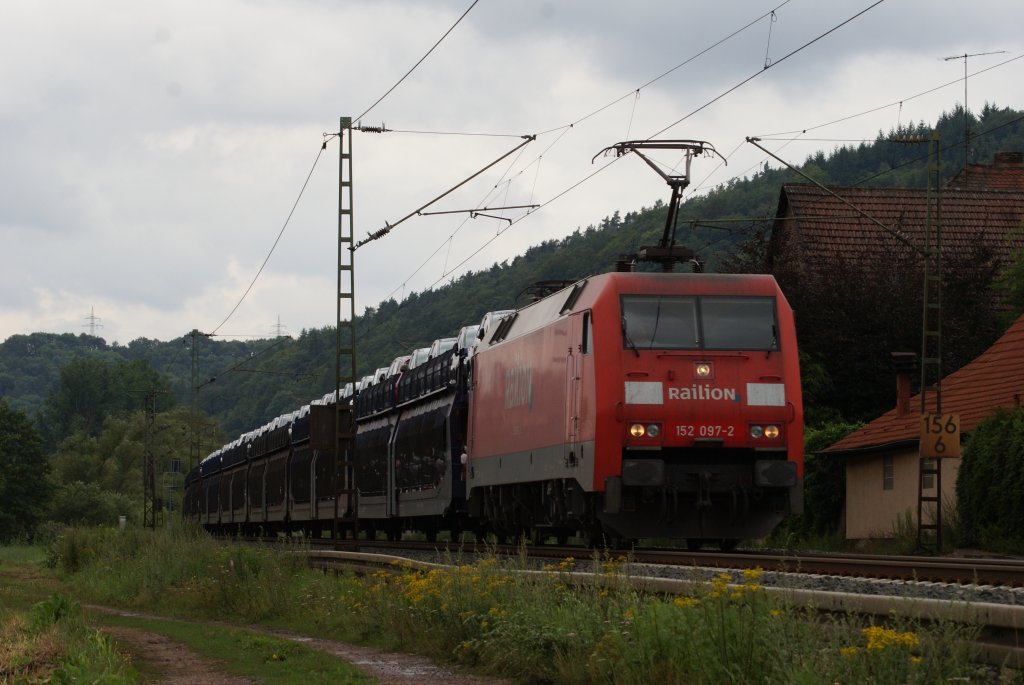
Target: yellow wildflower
[752,575]
[880,638]
[686,602]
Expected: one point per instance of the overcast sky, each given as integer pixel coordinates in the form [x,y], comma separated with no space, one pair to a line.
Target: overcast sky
[150,152]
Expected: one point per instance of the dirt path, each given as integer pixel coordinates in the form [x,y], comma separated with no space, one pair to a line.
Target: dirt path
[180,665]
[176,663]
[389,668]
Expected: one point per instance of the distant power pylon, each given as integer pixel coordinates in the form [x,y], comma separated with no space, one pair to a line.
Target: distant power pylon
[279,328]
[93,322]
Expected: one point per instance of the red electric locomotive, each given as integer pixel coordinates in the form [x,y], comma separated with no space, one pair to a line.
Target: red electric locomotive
[656,405]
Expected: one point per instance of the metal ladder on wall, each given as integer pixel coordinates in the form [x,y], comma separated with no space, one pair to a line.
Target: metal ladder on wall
[346,501]
[929,507]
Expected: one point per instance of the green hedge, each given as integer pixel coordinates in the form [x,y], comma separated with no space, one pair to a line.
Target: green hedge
[990,486]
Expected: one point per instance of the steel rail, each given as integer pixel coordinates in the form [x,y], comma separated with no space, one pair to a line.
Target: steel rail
[960,570]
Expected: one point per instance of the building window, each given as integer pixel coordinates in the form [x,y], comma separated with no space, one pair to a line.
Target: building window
[887,473]
[928,479]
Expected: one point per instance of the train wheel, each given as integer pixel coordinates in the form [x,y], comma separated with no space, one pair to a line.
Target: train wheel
[694,544]
[394,535]
[728,544]
[431,534]
[562,538]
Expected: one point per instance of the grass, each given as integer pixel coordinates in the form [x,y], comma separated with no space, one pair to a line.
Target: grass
[269,660]
[532,629]
[23,582]
[51,643]
[22,554]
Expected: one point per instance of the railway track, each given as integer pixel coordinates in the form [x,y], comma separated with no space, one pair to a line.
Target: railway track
[870,585]
[973,571]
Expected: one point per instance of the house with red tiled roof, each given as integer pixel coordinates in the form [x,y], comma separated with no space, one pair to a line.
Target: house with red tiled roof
[1005,173]
[835,262]
[856,286]
[882,466]
[814,227]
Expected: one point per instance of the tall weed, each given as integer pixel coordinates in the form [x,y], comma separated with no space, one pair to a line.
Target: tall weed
[182,570]
[53,644]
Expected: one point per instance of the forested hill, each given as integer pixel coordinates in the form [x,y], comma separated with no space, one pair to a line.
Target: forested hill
[258,380]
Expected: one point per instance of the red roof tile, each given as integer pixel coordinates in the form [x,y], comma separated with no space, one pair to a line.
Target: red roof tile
[994,379]
[1005,173]
[820,226]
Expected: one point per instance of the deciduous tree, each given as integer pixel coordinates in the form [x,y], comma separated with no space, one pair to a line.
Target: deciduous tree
[24,487]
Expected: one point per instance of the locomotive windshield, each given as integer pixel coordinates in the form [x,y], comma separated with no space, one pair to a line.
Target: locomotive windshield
[699,323]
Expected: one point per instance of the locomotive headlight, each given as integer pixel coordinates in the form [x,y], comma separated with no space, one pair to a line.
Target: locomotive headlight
[756,432]
[637,430]
[771,432]
[702,370]
[653,430]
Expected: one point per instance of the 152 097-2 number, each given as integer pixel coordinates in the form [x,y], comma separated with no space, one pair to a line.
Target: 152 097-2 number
[704,430]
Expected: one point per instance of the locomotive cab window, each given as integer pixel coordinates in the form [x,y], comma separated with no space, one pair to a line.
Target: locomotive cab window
[739,323]
[655,322]
[691,323]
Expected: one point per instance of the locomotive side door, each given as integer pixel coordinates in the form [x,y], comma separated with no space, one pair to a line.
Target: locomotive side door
[579,347]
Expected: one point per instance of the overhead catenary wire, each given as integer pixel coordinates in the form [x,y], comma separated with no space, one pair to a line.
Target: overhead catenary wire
[899,103]
[769,66]
[238,365]
[678,121]
[520,218]
[740,219]
[891,104]
[455,133]
[751,220]
[565,128]
[702,107]
[838,215]
[434,47]
[388,227]
[853,214]
[920,158]
[669,71]
[276,241]
[323,146]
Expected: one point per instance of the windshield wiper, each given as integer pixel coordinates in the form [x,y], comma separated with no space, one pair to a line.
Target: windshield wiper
[629,341]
